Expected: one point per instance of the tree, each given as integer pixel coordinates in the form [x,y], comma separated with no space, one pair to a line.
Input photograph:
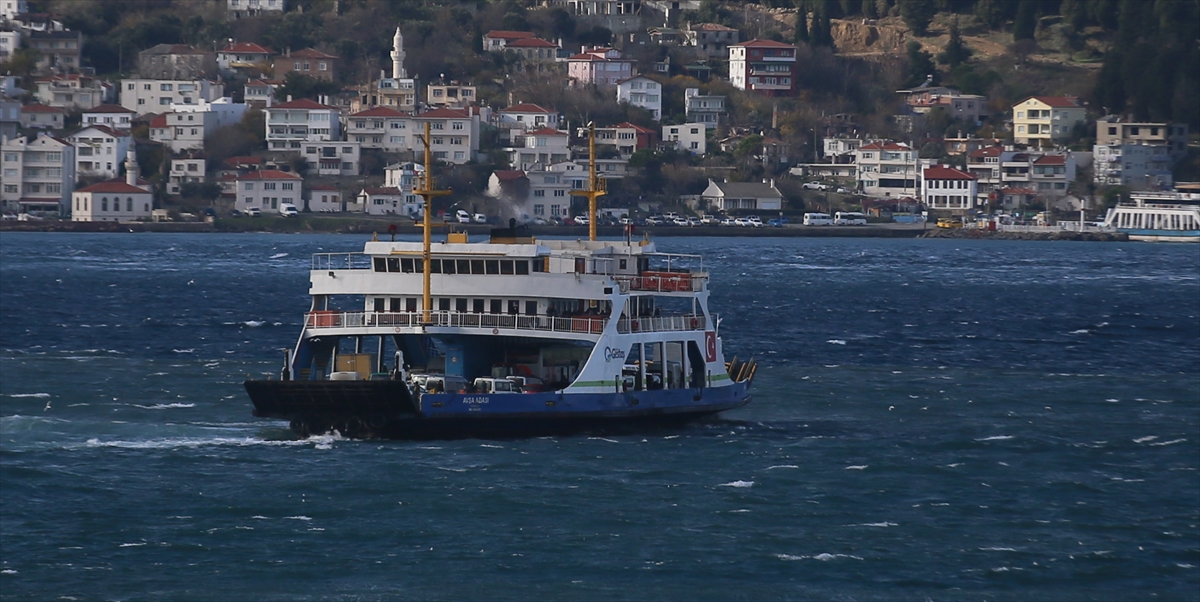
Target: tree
[821,33]
[918,14]
[801,34]
[1025,23]
[956,52]
[920,64]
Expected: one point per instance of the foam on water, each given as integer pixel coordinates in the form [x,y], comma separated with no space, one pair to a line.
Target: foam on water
[737,484]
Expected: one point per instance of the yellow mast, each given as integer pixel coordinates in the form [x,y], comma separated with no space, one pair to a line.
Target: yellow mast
[596,186]
[427,192]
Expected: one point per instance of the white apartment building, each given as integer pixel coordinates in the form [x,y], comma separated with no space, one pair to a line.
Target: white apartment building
[577,171]
[260,93]
[247,8]
[454,134]
[243,55]
[267,189]
[72,91]
[156,95]
[185,170]
[182,131]
[688,137]
[387,201]
[99,150]
[37,174]
[703,108]
[333,158]
[384,128]
[42,116]
[1137,166]
[113,116]
[943,187]
[1046,119]
[542,147]
[641,91]
[888,169]
[9,9]
[324,198]
[840,150]
[531,195]
[514,121]
[292,123]
[10,41]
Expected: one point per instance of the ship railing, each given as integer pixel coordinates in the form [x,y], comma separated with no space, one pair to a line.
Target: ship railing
[663,282]
[571,324]
[341,261]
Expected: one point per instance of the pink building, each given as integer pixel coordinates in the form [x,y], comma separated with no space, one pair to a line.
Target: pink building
[598,67]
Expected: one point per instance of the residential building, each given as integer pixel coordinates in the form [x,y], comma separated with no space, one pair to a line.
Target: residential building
[703,108]
[292,123]
[42,116]
[601,7]
[382,128]
[324,198]
[764,66]
[267,189]
[750,196]
[688,137]
[244,57]
[1046,120]
[1112,130]
[711,40]
[515,120]
[531,195]
[10,41]
[641,91]
[454,134]
[598,67]
[260,93]
[578,169]
[887,169]
[626,137]
[1051,174]
[58,51]
[453,94]
[99,150]
[404,177]
[498,40]
[334,158]
[9,9]
[310,62]
[542,148]
[182,131]
[114,116]
[840,149]
[115,200]
[971,108]
[533,55]
[72,91]
[10,117]
[248,8]
[37,174]
[177,62]
[396,92]
[187,169]
[156,95]
[384,201]
[1133,165]
[984,165]
[944,187]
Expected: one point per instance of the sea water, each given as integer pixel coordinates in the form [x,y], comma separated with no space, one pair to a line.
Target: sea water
[932,419]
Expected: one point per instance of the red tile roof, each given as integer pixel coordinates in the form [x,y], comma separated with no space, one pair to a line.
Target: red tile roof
[381,112]
[885,146]
[531,43]
[1050,160]
[1058,101]
[248,47]
[987,151]
[526,107]
[444,113]
[113,186]
[110,108]
[627,125]
[938,172]
[159,121]
[269,174]
[302,103]
[502,34]
[37,108]
[103,128]
[506,175]
[310,53]
[763,44]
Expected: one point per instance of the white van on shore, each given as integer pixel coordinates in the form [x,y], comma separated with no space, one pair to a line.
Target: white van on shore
[817,219]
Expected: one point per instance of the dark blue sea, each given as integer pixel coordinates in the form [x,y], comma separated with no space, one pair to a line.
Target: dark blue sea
[932,420]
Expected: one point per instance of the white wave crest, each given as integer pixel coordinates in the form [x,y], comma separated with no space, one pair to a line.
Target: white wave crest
[823,557]
[165,406]
[739,484]
[299,517]
[1080,331]
[1171,442]
[191,443]
[857,467]
[782,466]
[132,545]
[38,395]
[883,524]
[278,256]
[997,438]
[8,572]
[1145,439]
[996,549]
[254,323]
[836,342]
[184,350]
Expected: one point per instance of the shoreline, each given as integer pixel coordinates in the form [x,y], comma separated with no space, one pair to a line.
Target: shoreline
[363,226]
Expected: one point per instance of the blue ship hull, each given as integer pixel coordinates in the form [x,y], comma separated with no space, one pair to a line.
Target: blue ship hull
[386,409]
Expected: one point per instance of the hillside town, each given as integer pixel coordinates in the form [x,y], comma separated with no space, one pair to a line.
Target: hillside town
[691,117]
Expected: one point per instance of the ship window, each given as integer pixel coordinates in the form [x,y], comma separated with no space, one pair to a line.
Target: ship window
[476,266]
[435,266]
[444,304]
[406,265]
[522,267]
[378,305]
[506,267]
[395,304]
[493,267]
[531,308]
[623,263]
[393,264]
[514,307]
[380,264]
[460,305]
[539,264]
[410,304]
[448,266]
[464,266]
[497,306]
[477,306]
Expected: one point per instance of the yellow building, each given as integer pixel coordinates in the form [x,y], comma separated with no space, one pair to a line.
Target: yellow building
[1046,119]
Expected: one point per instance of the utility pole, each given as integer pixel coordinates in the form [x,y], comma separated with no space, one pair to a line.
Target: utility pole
[427,192]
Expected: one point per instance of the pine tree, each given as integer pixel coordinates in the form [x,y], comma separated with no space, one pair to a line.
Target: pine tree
[956,52]
[801,22]
[920,64]
[821,33]
[918,14]
[1025,23]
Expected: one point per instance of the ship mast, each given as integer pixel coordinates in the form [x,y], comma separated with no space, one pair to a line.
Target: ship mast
[427,192]
[596,186]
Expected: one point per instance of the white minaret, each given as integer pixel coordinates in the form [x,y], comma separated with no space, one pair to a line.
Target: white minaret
[398,56]
[131,166]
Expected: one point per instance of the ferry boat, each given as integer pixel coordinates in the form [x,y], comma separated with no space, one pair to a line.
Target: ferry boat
[1158,217]
[616,332]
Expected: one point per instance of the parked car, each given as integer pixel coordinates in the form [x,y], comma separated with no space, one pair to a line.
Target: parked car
[950,222]
[729,221]
[235,213]
[754,221]
[681,221]
[625,221]
[253,211]
[710,220]
[462,216]
[480,218]
[655,220]
[777,222]
[582,220]
[814,186]
[844,190]
[288,210]
[694,221]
